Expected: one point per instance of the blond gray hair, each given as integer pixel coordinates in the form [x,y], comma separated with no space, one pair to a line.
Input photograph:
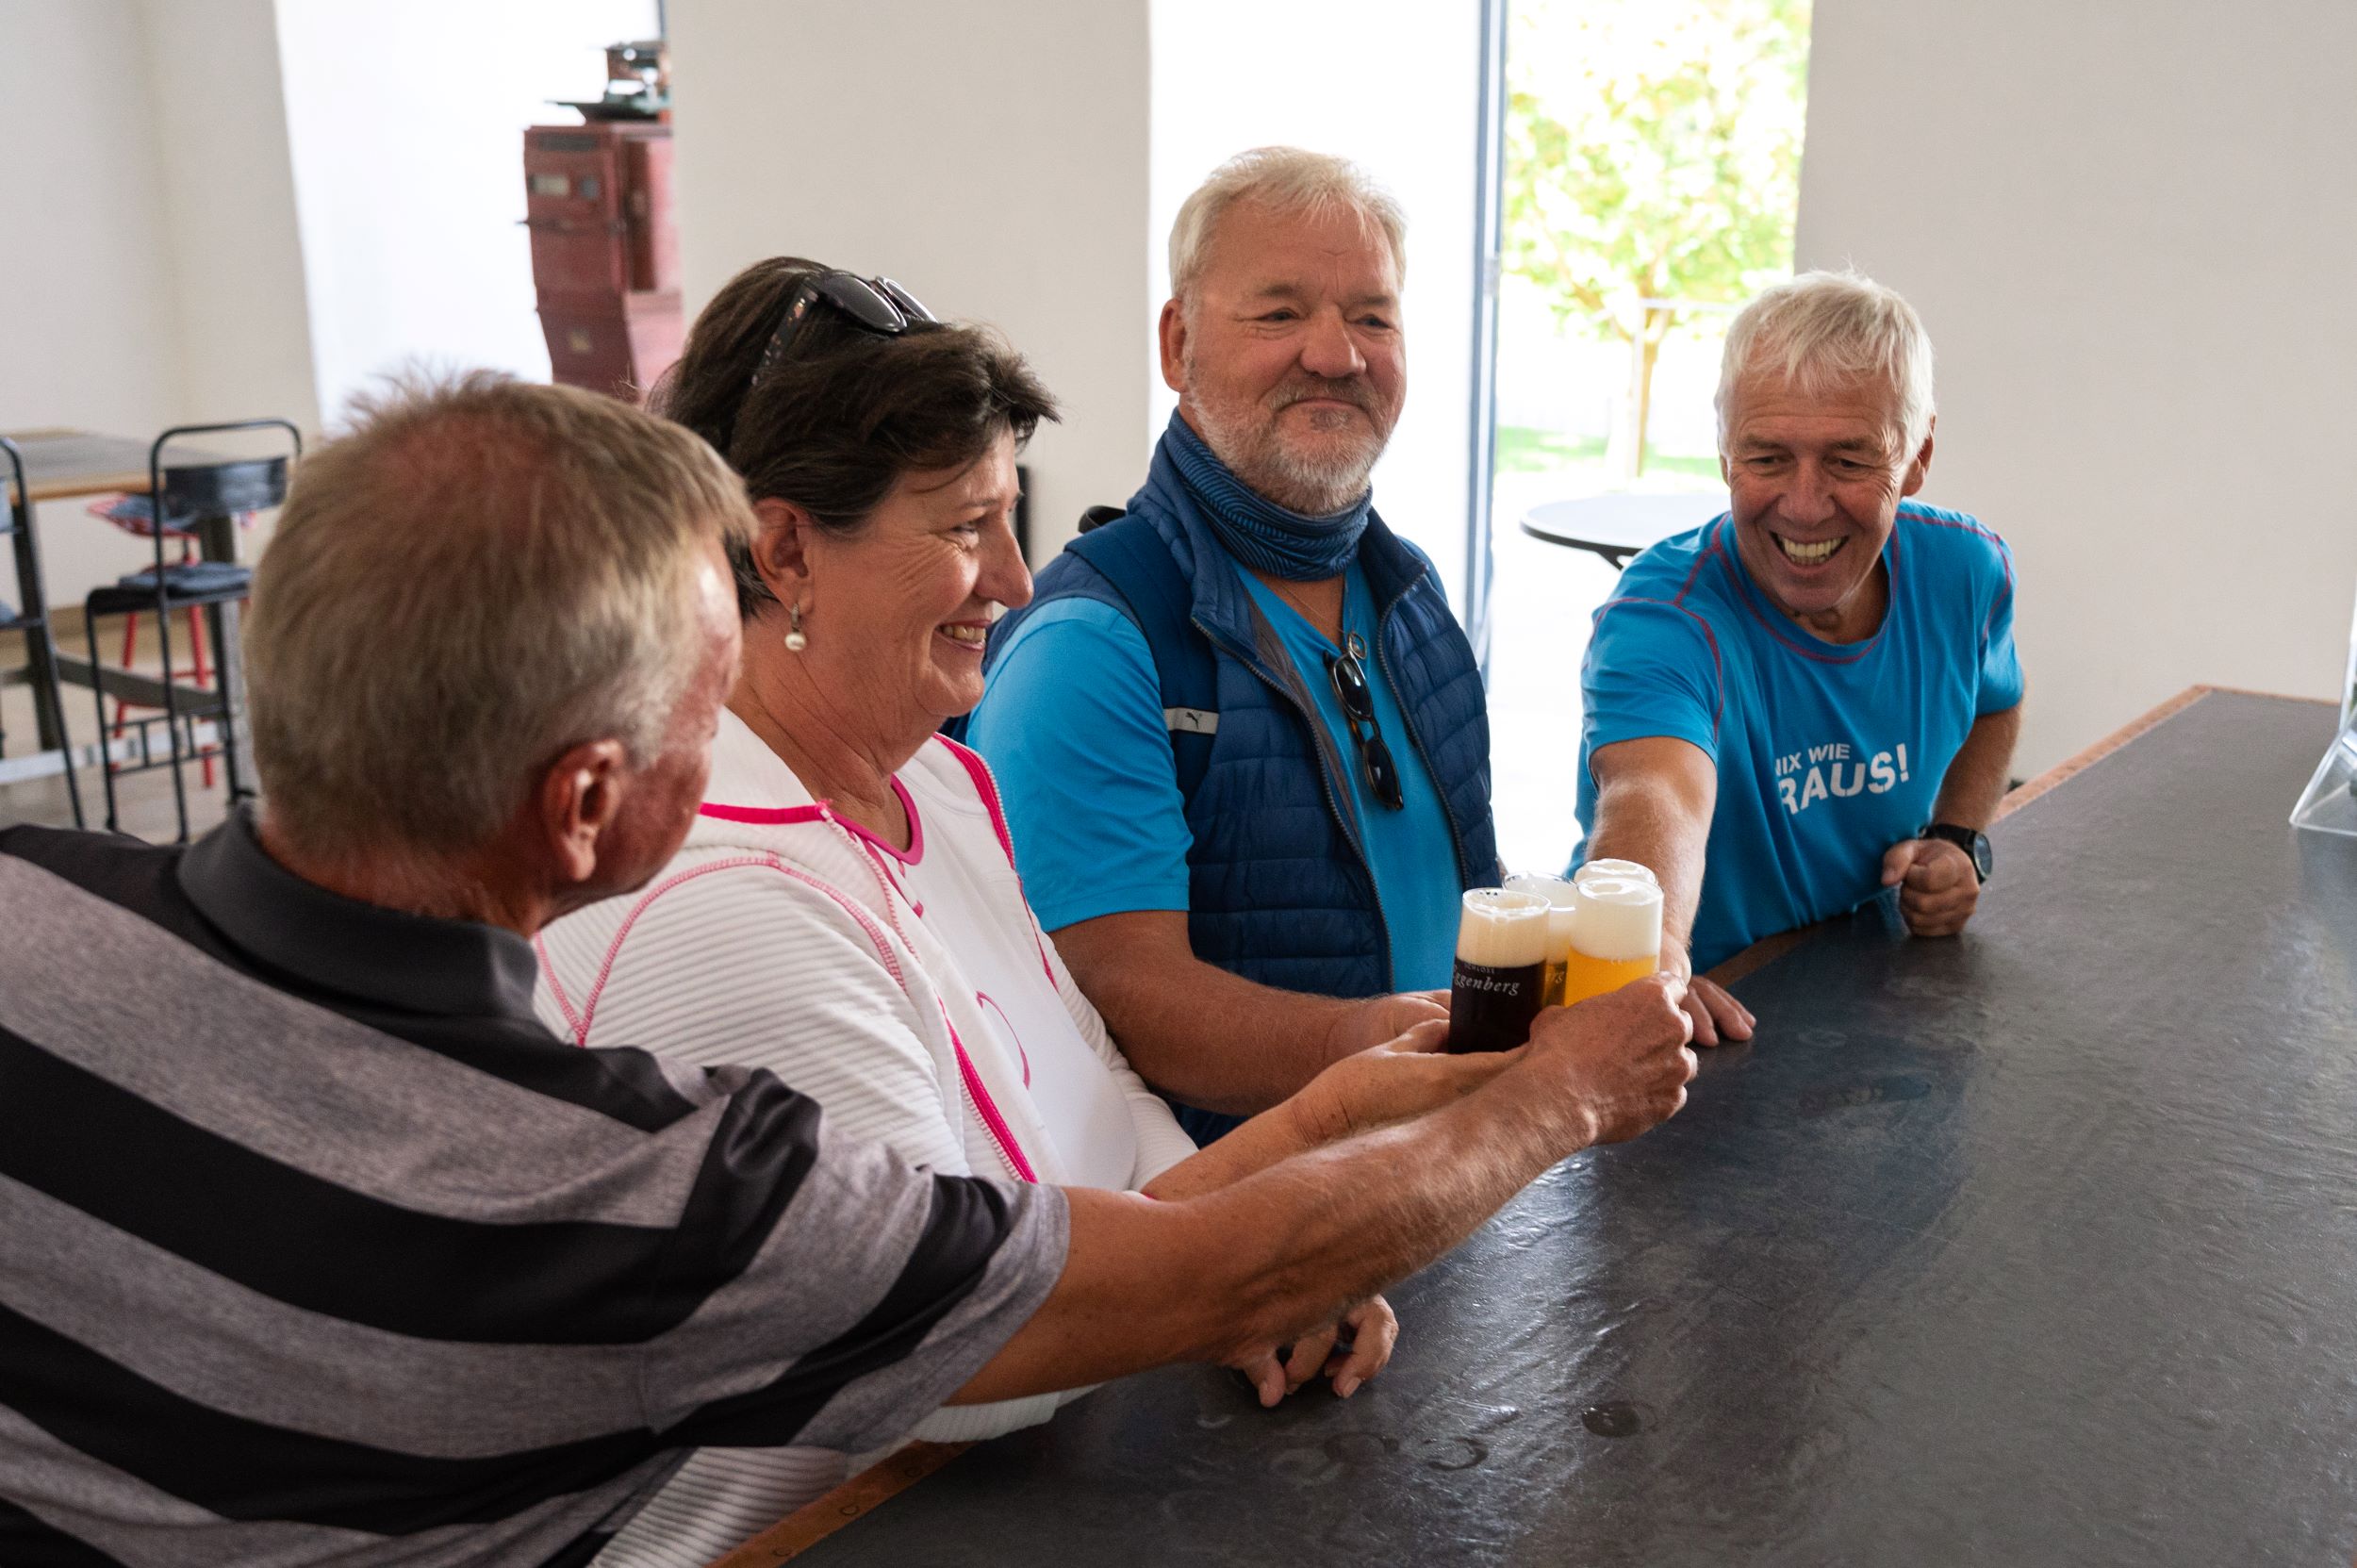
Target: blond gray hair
[480,574]
[1290,180]
[1822,330]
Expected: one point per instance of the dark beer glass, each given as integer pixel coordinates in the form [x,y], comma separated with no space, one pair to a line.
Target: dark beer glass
[1500,978]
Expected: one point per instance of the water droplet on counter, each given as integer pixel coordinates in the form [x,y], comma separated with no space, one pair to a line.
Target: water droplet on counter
[1614,1418]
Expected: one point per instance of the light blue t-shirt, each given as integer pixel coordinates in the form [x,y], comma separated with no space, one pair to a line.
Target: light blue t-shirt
[1827,754]
[1072,724]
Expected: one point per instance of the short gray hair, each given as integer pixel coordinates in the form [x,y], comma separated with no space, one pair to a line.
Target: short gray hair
[480,574]
[1290,180]
[1823,329]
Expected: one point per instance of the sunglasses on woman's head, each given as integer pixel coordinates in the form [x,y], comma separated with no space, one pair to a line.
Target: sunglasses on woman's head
[1349,675]
[873,305]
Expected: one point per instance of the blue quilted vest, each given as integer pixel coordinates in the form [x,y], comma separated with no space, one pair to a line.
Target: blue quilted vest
[1278,886]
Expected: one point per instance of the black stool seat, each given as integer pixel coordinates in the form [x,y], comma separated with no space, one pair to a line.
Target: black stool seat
[184,498]
[195,584]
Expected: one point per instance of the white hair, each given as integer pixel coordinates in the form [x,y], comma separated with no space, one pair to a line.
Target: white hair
[1290,180]
[1821,330]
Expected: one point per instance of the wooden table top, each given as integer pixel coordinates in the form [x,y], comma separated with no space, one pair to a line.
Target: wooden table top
[62,464]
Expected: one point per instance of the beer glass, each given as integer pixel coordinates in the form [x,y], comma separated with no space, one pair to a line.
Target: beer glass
[1616,869]
[1616,935]
[1559,895]
[1501,964]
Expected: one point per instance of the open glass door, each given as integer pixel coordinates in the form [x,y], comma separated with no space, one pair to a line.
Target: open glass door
[1647,182]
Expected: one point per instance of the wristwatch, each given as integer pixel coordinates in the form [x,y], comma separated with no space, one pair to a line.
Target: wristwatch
[1970,840]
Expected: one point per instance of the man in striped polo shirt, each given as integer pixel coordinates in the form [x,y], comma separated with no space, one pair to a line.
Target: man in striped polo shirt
[315,1246]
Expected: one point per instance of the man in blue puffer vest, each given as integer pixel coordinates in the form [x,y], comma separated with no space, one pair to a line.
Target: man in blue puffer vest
[1241,739]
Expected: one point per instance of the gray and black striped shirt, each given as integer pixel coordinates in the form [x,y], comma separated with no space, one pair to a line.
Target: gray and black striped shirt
[315,1243]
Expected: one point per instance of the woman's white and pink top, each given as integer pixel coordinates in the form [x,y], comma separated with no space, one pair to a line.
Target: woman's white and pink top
[912,994]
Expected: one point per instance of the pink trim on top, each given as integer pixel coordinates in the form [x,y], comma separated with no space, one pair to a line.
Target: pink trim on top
[916,851]
[823,811]
[987,1000]
[987,788]
[985,1108]
[556,985]
[771,817]
[587,1016]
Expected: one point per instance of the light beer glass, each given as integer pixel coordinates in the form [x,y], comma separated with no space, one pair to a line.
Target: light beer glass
[1501,968]
[1559,895]
[1616,869]
[1616,935]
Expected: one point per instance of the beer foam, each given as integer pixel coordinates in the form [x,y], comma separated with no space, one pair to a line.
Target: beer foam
[1563,898]
[1617,919]
[1616,869]
[1502,930]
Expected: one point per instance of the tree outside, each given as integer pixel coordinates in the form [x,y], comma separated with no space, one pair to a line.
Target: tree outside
[1652,155]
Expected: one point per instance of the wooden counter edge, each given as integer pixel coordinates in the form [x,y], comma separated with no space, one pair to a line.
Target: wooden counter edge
[805,1528]
[2069,766]
[822,1517]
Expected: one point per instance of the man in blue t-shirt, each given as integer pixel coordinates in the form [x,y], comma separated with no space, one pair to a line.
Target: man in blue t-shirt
[1814,696]
[1241,738]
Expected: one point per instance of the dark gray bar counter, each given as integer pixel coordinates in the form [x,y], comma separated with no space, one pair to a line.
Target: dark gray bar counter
[2038,1247]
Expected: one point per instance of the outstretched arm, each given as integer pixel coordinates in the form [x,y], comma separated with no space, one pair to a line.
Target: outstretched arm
[1654,802]
[1211,1038]
[1229,1275]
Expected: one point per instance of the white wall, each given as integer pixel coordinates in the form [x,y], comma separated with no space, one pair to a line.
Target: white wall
[991,158]
[91,339]
[407,120]
[1395,86]
[2129,230]
[235,265]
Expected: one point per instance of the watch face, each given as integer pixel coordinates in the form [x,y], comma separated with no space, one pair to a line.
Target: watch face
[1983,861]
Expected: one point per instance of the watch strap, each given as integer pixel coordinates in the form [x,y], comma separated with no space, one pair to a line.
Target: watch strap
[1974,842]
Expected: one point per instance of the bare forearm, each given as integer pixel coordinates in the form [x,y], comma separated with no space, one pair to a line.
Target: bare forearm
[1199,1034]
[1391,1083]
[1230,1274]
[1976,781]
[1338,1224]
[1641,819]
[1273,1136]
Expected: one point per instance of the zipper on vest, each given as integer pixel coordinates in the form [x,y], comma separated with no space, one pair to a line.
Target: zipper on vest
[1333,802]
[1407,721]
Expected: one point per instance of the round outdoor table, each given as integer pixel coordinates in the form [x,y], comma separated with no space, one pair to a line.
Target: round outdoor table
[1618,526]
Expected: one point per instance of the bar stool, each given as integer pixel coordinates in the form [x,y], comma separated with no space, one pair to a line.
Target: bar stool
[136,515]
[41,644]
[211,495]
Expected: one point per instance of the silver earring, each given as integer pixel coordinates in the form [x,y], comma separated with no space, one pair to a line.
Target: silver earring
[795,641]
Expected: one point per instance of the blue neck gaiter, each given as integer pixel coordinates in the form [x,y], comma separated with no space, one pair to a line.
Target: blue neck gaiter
[1256,531]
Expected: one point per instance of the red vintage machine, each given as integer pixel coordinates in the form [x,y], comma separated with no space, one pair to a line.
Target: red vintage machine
[605,245]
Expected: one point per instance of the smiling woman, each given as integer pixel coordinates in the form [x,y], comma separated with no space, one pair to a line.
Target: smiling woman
[845,912]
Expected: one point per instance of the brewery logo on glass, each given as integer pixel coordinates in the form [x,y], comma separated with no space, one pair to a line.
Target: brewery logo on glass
[1500,980]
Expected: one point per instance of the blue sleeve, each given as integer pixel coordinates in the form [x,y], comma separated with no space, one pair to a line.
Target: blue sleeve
[2000,666]
[1072,724]
[1652,669]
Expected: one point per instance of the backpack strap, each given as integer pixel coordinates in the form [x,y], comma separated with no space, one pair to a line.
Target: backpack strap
[1130,556]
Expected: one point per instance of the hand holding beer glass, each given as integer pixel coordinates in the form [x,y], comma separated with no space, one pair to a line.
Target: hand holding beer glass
[1544,942]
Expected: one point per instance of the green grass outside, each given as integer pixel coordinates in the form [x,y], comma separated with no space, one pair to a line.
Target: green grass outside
[1522,450]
